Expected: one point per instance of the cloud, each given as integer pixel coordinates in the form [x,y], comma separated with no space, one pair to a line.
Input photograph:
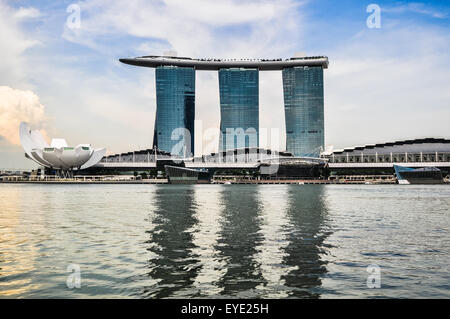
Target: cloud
[381,86]
[19,106]
[195,28]
[13,43]
[416,7]
[27,13]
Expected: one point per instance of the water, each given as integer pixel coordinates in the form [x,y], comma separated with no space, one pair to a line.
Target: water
[218,241]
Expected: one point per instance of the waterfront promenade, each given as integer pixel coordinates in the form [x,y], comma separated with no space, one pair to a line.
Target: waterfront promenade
[220,179]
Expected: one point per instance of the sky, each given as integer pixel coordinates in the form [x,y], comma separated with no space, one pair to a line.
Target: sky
[385,83]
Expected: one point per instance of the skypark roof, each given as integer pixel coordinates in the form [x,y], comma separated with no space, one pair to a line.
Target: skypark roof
[216,64]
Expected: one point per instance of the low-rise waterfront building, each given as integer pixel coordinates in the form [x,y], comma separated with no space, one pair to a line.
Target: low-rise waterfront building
[379,159]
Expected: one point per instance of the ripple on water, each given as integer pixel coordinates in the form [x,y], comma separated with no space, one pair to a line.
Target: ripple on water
[215,241]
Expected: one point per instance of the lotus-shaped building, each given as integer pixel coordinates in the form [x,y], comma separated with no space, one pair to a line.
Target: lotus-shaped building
[58,155]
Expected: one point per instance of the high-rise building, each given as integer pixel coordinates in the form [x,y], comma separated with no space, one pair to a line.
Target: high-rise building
[175,110]
[239,101]
[304,110]
[239,108]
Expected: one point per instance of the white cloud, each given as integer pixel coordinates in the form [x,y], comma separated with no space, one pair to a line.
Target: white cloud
[222,13]
[13,43]
[196,27]
[416,7]
[389,85]
[19,106]
[27,13]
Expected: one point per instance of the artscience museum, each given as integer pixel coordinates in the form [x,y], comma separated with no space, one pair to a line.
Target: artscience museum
[58,155]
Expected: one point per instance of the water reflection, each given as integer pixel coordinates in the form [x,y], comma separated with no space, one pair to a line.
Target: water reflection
[236,242]
[173,263]
[17,259]
[273,228]
[306,232]
[240,241]
[261,241]
[206,236]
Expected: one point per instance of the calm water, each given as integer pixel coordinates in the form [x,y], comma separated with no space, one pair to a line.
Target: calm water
[216,241]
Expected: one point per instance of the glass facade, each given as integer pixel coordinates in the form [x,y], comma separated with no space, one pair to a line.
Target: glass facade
[239,108]
[175,112]
[304,111]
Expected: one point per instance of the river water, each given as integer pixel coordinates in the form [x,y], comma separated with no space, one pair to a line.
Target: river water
[221,241]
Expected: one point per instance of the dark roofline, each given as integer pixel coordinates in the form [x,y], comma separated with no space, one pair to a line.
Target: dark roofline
[139,152]
[427,140]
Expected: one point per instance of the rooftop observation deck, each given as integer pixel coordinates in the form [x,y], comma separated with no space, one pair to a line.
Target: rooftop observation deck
[216,64]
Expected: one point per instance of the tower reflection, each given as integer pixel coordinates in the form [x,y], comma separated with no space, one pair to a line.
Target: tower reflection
[306,230]
[237,242]
[240,241]
[173,264]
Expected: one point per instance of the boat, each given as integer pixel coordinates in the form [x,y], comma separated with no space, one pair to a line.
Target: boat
[425,175]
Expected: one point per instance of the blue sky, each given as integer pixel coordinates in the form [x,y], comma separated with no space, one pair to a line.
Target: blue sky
[383,84]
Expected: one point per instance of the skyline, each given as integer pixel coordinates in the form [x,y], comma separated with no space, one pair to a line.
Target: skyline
[61,79]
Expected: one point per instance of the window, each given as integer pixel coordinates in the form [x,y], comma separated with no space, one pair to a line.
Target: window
[304,111]
[175,100]
[239,108]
